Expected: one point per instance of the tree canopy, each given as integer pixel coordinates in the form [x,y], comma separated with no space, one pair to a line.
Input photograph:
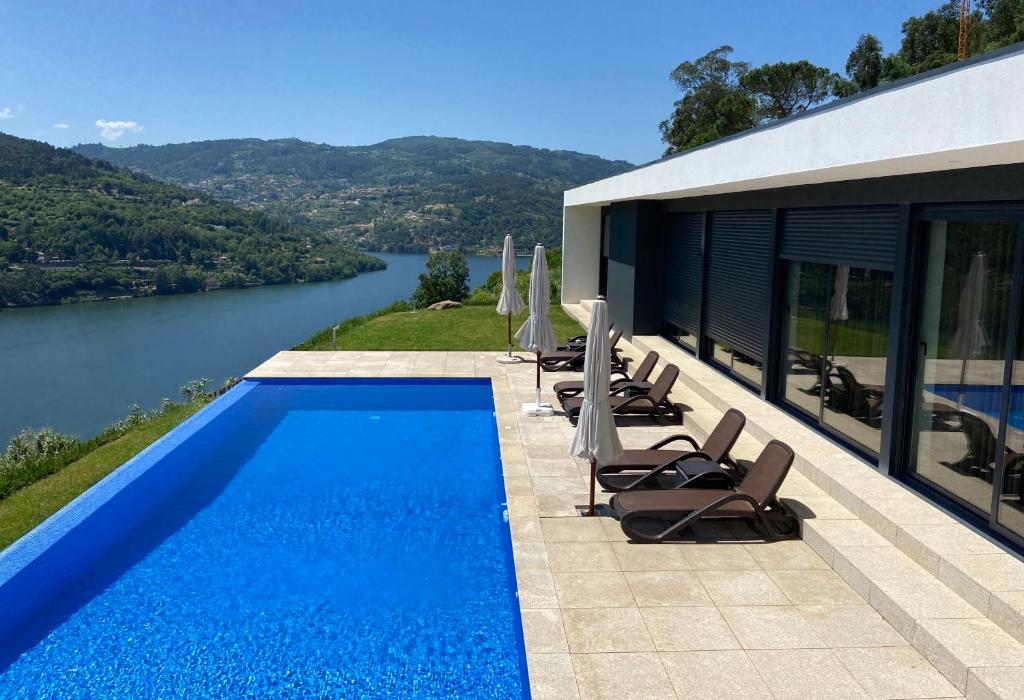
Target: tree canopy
[722,97]
[446,279]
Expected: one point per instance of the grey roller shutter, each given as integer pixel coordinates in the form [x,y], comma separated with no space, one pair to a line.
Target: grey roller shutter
[739,271]
[682,270]
[854,236]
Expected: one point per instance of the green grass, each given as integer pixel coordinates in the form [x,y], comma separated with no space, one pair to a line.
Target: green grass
[851,341]
[465,328]
[31,505]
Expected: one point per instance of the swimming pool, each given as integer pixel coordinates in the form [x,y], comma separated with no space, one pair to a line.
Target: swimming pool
[295,538]
[985,399]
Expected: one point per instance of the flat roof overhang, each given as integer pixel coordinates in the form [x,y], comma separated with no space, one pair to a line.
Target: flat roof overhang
[966,115]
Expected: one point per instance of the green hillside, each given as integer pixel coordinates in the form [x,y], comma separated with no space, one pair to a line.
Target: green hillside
[403,195]
[76,229]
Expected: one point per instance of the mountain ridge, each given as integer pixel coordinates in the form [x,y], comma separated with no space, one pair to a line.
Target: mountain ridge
[407,194]
[77,229]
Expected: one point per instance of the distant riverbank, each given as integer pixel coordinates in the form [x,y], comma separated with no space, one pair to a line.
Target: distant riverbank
[79,367]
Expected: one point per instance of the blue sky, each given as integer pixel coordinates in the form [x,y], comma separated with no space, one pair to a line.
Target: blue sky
[589,76]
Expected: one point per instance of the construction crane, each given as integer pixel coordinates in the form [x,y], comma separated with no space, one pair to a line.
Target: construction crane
[965,19]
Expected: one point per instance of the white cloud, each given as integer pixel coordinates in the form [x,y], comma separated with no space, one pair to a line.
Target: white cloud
[6,113]
[113,130]
[61,125]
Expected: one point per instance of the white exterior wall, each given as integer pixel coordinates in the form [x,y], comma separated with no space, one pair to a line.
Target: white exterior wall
[581,253]
[959,119]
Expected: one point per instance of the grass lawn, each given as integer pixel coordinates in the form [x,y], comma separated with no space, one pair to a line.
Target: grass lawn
[464,328]
[27,507]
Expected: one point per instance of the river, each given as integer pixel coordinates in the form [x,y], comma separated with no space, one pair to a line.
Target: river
[79,367]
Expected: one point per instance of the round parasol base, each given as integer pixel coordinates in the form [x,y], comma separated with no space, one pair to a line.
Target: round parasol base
[538,409]
[510,359]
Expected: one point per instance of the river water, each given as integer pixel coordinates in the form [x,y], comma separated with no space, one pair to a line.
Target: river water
[79,367]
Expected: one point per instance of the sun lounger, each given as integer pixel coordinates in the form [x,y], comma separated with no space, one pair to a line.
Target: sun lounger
[656,468]
[656,516]
[636,384]
[573,359]
[655,403]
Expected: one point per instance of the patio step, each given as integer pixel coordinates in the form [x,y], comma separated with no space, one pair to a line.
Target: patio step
[929,576]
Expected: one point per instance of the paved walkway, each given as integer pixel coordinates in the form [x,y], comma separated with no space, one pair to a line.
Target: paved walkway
[724,615]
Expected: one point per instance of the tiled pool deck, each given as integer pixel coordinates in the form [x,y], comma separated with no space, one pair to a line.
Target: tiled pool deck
[846,614]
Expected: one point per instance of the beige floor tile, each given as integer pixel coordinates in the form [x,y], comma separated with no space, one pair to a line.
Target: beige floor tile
[742,588]
[573,529]
[552,467]
[771,627]
[536,588]
[714,675]
[667,588]
[815,587]
[567,485]
[543,632]
[787,555]
[593,590]
[525,529]
[650,557]
[612,530]
[560,505]
[518,485]
[552,677]
[688,629]
[521,505]
[554,452]
[806,674]
[581,557]
[638,676]
[530,555]
[851,626]
[597,630]
[895,672]
[718,557]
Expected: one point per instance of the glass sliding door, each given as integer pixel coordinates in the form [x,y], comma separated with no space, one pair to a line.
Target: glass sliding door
[836,339]
[857,337]
[804,334]
[964,338]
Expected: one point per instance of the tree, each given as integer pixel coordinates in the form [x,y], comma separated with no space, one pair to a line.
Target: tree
[782,89]
[930,41]
[864,66]
[1004,23]
[713,104]
[446,278]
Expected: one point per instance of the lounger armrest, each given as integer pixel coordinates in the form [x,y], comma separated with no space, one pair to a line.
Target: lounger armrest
[638,482]
[672,438]
[637,399]
[695,481]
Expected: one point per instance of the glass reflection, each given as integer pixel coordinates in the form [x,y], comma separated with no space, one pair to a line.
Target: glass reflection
[968,284]
[836,334]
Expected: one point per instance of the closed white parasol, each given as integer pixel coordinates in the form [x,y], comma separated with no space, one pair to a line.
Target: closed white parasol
[596,438]
[537,335]
[509,303]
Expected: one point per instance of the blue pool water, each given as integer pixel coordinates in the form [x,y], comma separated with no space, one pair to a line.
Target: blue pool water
[986,399]
[313,539]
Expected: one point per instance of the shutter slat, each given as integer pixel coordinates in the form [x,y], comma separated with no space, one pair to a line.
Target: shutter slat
[739,271]
[855,236]
[682,272]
